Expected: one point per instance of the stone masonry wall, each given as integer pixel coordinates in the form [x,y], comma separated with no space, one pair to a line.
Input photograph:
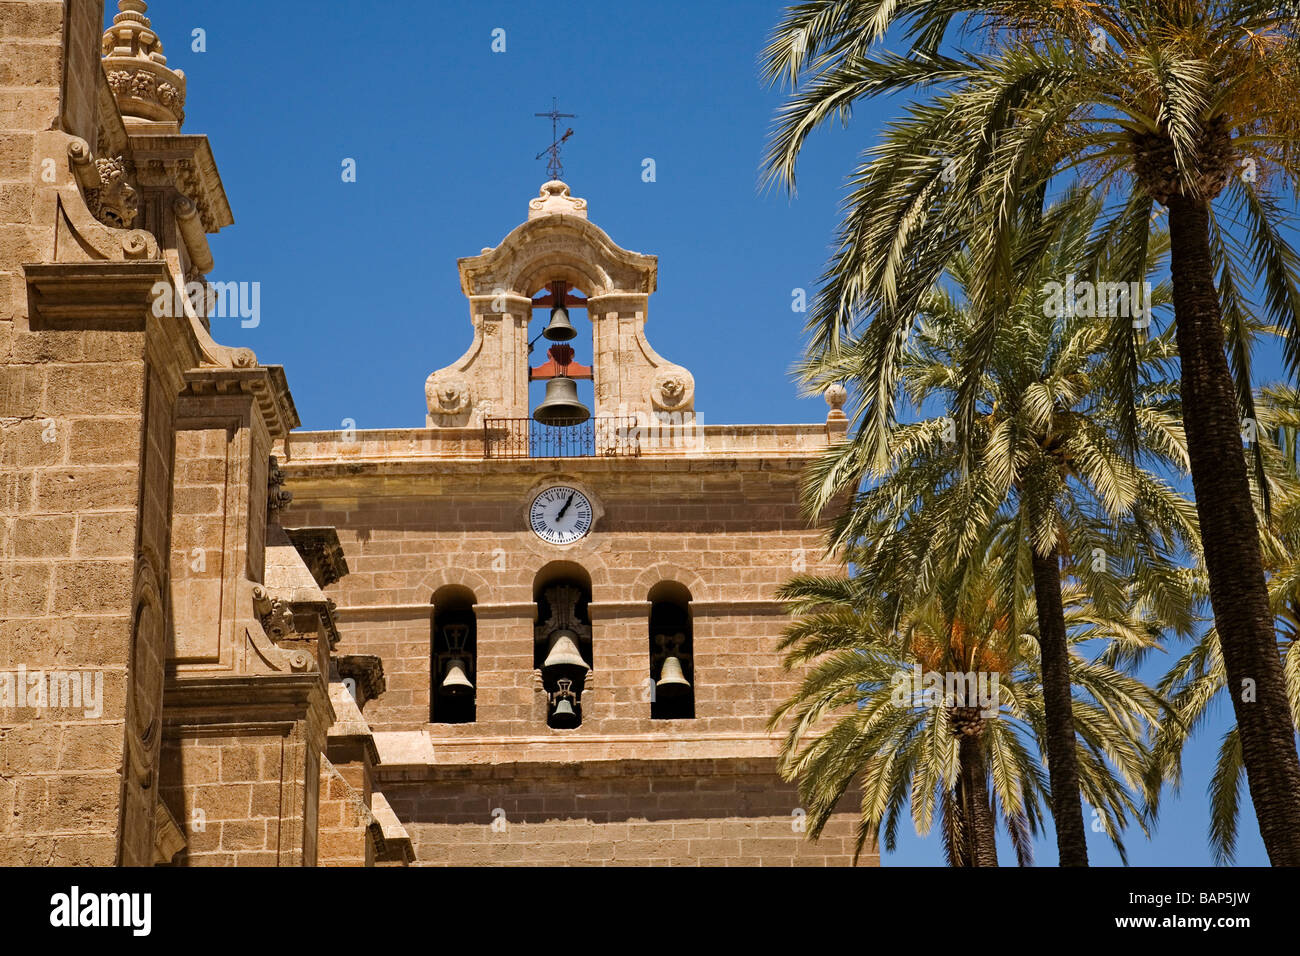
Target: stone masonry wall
[730,538]
[344,817]
[240,799]
[707,813]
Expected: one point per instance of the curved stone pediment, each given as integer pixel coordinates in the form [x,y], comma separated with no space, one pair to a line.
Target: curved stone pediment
[557,245]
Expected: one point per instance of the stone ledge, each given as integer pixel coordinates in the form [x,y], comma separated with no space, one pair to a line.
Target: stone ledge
[599,610]
[420,751]
[231,705]
[109,296]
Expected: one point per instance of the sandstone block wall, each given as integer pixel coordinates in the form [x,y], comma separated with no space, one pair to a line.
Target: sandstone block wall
[344,817]
[696,813]
[240,800]
[729,538]
[622,788]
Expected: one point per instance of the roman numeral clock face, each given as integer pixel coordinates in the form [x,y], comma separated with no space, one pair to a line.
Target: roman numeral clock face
[560,515]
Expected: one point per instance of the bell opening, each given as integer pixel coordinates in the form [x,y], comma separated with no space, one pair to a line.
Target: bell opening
[562,396]
[562,648]
[672,662]
[454,647]
[566,714]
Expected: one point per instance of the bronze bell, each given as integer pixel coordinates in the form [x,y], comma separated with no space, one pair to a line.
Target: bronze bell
[560,329]
[562,657]
[564,716]
[561,406]
[672,682]
[456,683]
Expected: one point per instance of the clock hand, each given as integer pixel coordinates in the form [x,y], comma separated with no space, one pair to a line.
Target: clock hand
[565,508]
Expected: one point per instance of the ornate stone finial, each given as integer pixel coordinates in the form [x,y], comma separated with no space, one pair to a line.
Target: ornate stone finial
[137,70]
[554,199]
[836,395]
[277,497]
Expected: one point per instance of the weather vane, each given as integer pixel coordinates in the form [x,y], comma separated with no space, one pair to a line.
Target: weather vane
[553,165]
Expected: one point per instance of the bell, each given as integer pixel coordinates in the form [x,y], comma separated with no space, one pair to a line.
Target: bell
[560,329]
[564,717]
[672,682]
[456,683]
[561,406]
[562,657]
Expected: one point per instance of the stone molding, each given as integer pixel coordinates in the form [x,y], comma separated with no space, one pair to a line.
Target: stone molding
[234,705]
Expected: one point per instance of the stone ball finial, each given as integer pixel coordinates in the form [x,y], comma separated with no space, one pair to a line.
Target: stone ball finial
[836,395]
[137,71]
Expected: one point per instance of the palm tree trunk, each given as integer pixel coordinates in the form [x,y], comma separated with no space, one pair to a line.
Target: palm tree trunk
[1058,707]
[981,825]
[1230,537]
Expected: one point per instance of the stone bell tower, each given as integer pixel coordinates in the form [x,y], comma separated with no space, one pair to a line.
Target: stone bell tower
[577,624]
[557,246]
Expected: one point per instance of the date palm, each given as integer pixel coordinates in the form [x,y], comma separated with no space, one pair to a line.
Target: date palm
[1199,678]
[858,718]
[1193,106]
[1040,457]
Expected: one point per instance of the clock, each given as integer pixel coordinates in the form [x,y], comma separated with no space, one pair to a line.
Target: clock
[560,515]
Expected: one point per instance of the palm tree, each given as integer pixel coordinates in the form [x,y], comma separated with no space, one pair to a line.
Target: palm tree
[976,761]
[1199,678]
[1043,460]
[1162,101]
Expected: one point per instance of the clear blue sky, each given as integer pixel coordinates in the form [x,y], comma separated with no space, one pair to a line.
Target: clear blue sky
[360,293]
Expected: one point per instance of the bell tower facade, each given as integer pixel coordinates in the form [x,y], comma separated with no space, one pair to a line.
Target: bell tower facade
[557,249]
[575,605]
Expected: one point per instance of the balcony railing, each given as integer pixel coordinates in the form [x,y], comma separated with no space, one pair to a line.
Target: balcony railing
[614,437]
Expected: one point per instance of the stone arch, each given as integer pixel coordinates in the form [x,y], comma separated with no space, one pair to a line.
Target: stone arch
[543,250]
[560,569]
[560,265]
[471,581]
[667,571]
[454,594]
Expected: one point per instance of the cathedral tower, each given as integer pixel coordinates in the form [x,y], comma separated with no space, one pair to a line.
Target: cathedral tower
[577,623]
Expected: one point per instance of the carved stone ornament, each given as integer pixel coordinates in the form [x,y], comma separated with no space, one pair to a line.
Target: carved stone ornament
[277,497]
[673,389]
[447,393]
[147,647]
[115,202]
[554,199]
[276,615]
[137,70]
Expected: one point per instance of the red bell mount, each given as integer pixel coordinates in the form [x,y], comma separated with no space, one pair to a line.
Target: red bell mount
[561,363]
[560,355]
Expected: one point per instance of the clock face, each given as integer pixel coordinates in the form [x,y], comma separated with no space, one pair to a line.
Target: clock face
[560,515]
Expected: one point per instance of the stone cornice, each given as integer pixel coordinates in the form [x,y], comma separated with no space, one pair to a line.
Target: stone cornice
[366,669]
[321,552]
[602,755]
[600,610]
[248,703]
[265,383]
[187,160]
[403,472]
[99,295]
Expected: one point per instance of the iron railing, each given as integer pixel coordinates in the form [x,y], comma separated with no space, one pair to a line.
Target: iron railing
[614,437]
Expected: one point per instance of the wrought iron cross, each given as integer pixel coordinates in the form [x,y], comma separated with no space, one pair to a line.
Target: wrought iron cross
[554,168]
